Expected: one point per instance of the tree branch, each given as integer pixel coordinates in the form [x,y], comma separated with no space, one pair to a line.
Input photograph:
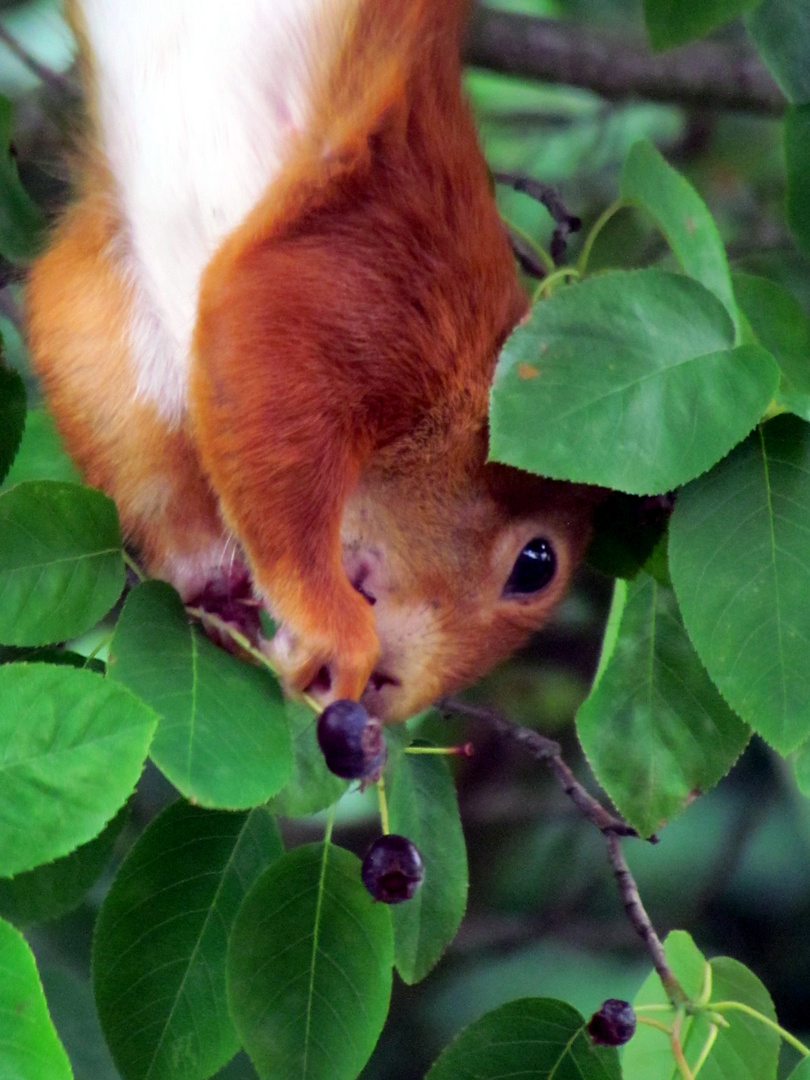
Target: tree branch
[703,74]
[612,828]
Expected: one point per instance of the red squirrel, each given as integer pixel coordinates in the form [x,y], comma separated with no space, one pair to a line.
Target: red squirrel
[268,328]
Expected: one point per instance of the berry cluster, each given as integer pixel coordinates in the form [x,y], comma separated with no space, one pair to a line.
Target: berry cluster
[353,747]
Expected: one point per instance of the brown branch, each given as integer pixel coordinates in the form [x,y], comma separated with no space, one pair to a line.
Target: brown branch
[42,71]
[611,827]
[703,74]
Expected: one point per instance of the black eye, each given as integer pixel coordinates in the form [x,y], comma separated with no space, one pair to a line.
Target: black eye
[534,568]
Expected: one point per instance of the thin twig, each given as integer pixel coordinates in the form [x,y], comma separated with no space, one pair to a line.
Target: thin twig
[42,71]
[611,827]
[700,75]
[550,752]
[549,197]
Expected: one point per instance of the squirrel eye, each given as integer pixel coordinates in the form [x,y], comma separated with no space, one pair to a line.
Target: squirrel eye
[534,568]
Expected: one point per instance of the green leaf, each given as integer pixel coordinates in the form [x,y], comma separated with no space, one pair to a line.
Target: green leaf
[22,223]
[29,1047]
[223,739]
[674,22]
[41,455]
[70,1001]
[642,361]
[49,891]
[423,807]
[311,786]
[801,767]
[781,30]
[655,730]
[802,1071]
[781,326]
[12,417]
[61,567]
[534,1039]
[161,940]
[72,746]
[745,1050]
[797,164]
[652,184]
[738,556]
[309,968]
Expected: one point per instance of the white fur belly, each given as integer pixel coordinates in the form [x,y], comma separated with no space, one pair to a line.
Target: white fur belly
[197,101]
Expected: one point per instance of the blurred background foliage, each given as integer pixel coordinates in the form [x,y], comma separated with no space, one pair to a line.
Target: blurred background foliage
[544,916]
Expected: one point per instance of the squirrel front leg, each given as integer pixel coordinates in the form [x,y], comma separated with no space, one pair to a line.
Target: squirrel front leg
[276,424]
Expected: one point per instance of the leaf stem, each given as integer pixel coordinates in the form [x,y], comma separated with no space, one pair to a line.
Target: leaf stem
[546,286]
[707,1049]
[465,750]
[133,566]
[239,639]
[599,224]
[383,801]
[677,1050]
[543,256]
[657,1024]
[739,1006]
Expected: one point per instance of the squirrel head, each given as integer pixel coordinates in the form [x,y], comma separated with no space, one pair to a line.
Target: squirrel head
[462,561]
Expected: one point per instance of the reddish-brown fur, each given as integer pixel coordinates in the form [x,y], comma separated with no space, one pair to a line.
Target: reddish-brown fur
[345,344]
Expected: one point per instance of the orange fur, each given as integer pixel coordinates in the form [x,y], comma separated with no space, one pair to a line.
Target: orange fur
[346,339]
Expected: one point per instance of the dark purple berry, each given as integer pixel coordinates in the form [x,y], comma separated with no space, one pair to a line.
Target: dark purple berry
[614,1024]
[392,870]
[351,741]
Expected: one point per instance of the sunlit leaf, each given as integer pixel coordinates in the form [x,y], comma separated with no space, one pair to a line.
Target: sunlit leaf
[29,1046]
[72,746]
[222,739]
[627,380]
[61,566]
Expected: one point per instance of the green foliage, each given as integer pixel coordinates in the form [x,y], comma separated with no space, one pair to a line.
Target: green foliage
[29,1046]
[22,223]
[744,1048]
[655,729]
[309,967]
[748,617]
[423,807]
[648,367]
[72,747]
[12,417]
[223,738]
[645,362]
[161,940]
[60,561]
[674,22]
[535,1038]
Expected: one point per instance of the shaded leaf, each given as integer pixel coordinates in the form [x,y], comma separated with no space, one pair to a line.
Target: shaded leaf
[29,1046]
[802,1071]
[781,30]
[651,183]
[309,968]
[533,1038]
[738,554]
[12,417]
[54,888]
[423,807]
[161,939]
[797,164]
[674,22]
[22,223]
[641,361]
[41,455]
[781,326]
[72,746]
[61,566]
[311,786]
[222,739]
[655,730]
